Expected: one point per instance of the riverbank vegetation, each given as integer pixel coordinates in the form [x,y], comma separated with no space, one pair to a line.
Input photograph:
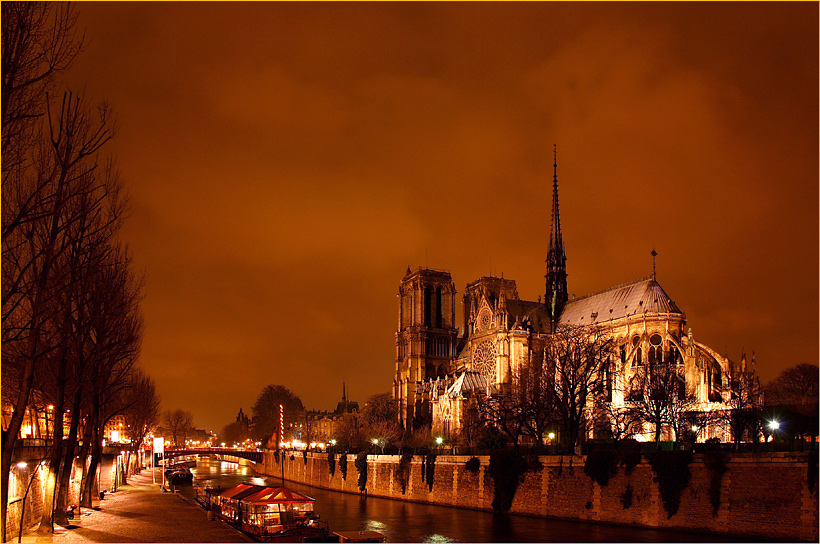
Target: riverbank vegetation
[71,322]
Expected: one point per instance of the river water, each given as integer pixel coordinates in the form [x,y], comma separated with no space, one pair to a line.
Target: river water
[402,521]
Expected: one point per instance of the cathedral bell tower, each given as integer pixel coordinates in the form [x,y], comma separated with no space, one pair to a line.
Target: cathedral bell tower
[425,339]
[556,295]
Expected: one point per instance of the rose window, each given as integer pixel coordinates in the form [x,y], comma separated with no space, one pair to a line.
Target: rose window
[484,359]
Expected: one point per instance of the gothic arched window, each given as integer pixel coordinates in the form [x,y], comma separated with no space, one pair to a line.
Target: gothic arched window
[638,352]
[655,349]
[439,313]
[607,382]
[428,305]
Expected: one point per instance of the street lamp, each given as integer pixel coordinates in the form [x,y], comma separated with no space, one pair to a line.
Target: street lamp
[774,425]
[21,465]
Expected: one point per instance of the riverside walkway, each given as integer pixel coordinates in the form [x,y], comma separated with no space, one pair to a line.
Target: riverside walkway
[140,512]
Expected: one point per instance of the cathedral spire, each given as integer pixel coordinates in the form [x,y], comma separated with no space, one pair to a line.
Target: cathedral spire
[556,276]
[654,254]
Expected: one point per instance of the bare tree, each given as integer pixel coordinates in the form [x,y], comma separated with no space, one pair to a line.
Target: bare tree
[657,396]
[620,421]
[471,423]
[143,414]
[38,42]
[70,310]
[180,423]
[534,386]
[380,418]
[741,417]
[505,412]
[577,356]
[349,432]
[797,386]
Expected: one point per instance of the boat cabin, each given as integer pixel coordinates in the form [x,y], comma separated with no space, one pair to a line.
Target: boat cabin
[272,509]
[227,504]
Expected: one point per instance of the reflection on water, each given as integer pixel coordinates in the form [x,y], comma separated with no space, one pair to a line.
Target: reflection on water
[403,521]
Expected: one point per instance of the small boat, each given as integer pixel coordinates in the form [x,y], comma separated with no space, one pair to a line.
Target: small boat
[181,475]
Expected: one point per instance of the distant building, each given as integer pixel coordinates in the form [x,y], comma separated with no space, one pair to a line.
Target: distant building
[322,423]
[116,430]
[440,366]
[245,421]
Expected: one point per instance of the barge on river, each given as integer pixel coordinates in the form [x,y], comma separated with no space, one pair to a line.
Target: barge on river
[270,514]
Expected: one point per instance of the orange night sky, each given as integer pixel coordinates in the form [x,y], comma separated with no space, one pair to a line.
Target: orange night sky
[287,161]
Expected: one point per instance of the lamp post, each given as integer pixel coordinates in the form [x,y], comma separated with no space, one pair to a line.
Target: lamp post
[281,444]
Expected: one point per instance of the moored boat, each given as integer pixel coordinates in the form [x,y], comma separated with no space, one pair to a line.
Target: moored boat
[270,514]
[181,475]
[282,515]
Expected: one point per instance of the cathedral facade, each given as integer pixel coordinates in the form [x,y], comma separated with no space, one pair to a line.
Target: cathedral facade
[440,366]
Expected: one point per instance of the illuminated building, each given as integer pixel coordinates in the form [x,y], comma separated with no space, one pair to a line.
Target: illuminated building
[439,367]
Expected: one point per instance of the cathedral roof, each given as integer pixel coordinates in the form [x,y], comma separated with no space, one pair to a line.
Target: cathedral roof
[468,381]
[535,312]
[639,297]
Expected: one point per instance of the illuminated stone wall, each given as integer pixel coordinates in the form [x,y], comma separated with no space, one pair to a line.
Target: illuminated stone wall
[762,495]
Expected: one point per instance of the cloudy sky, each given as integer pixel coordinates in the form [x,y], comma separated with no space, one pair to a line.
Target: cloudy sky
[287,162]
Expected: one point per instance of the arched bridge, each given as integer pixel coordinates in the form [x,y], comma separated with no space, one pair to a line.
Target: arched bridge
[251,455]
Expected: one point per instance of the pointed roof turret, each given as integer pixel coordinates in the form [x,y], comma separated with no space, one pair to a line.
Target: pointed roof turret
[556,295]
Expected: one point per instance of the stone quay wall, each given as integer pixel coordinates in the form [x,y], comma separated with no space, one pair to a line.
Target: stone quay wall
[32,478]
[761,494]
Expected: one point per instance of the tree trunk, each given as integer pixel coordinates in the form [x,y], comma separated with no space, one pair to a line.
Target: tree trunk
[94,462]
[47,520]
[657,436]
[68,463]
[10,436]
[85,451]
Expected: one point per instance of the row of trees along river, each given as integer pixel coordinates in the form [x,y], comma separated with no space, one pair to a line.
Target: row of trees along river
[791,400]
[72,326]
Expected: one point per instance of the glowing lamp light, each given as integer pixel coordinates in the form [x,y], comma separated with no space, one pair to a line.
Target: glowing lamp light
[22,464]
[551,436]
[694,428]
[375,441]
[439,440]
[774,425]
[333,442]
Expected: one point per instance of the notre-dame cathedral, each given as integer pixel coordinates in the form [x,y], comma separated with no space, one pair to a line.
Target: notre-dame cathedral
[439,365]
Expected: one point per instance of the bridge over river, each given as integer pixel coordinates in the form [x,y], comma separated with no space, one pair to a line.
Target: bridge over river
[252,455]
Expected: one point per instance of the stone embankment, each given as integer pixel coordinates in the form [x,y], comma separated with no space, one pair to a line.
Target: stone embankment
[141,512]
[765,495]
